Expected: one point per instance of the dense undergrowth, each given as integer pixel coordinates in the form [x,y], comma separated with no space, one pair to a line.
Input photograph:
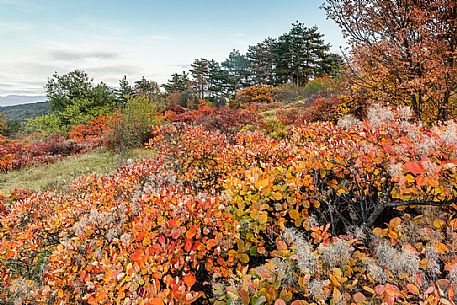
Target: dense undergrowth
[235,209]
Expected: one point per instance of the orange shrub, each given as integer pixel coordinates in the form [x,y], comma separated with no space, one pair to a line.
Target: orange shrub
[92,132]
[252,95]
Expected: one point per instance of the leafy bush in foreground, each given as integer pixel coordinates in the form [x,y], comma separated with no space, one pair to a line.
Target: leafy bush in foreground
[331,214]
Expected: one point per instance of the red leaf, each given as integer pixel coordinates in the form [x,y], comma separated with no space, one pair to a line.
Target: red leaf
[414,168]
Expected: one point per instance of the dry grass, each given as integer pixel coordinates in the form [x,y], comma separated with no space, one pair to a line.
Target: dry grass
[57,175]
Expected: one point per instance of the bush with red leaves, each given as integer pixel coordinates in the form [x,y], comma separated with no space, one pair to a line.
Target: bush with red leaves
[15,155]
[224,119]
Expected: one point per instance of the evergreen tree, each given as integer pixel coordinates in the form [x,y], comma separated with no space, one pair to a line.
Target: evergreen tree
[218,83]
[125,91]
[147,88]
[237,68]
[301,55]
[62,90]
[200,74]
[261,62]
[177,83]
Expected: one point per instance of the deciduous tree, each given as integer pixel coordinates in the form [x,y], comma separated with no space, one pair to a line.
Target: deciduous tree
[403,52]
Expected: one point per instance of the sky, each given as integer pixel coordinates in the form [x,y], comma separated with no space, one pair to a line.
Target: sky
[111,38]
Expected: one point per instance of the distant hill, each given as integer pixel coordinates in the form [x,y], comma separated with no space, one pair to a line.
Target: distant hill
[25,111]
[11,100]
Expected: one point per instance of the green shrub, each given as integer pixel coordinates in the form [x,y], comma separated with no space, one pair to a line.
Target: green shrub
[45,124]
[131,126]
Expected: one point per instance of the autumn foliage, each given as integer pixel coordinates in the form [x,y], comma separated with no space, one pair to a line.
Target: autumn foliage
[93,132]
[327,200]
[253,94]
[223,119]
[359,212]
[403,52]
[16,154]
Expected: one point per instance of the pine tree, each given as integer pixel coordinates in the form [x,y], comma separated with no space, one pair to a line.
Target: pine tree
[124,92]
[177,83]
[200,72]
[261,62]
[237,68]
[147,88]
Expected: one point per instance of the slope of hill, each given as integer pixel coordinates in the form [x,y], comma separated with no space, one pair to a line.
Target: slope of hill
[25,111]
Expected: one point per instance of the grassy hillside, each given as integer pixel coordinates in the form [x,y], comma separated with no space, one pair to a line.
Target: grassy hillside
[57,175]
[23,112]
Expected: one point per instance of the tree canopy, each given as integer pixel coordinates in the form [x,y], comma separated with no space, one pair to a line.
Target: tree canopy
[403,52]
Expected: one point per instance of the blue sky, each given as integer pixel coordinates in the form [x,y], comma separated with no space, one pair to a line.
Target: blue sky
[109,39]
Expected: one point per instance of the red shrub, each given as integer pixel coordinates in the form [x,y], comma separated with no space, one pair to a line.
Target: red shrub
[19,194]
[324,109]
[15,155]
[92,132]
[224,119]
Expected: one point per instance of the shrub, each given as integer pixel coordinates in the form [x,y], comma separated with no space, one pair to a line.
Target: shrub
[286,93]
[15,155]
[217,218]
[223,119]
[326,109]
[131,126]
[252,95]
[93,132]
[321,86]
[45,124]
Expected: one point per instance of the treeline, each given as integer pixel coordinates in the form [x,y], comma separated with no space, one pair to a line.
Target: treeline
[295,57]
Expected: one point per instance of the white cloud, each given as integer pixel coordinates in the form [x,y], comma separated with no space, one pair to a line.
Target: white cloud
[22,4]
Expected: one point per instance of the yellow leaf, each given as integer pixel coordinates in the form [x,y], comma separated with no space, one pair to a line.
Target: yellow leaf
[378,232]
[410,178]
[244,258]
[368,289]
[294,214]
[277,195]
[263,218]
[336,294]
[441,248]
[341,191]
[438,224]
[334,280]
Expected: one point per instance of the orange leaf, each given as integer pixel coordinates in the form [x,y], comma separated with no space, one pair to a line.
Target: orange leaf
[189,279]
[393,290]
[359,297]
[414,167]
[421,181]
[137,256]
[155,301]
[191,232]
[441,248]
[188,245]
[413,289]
